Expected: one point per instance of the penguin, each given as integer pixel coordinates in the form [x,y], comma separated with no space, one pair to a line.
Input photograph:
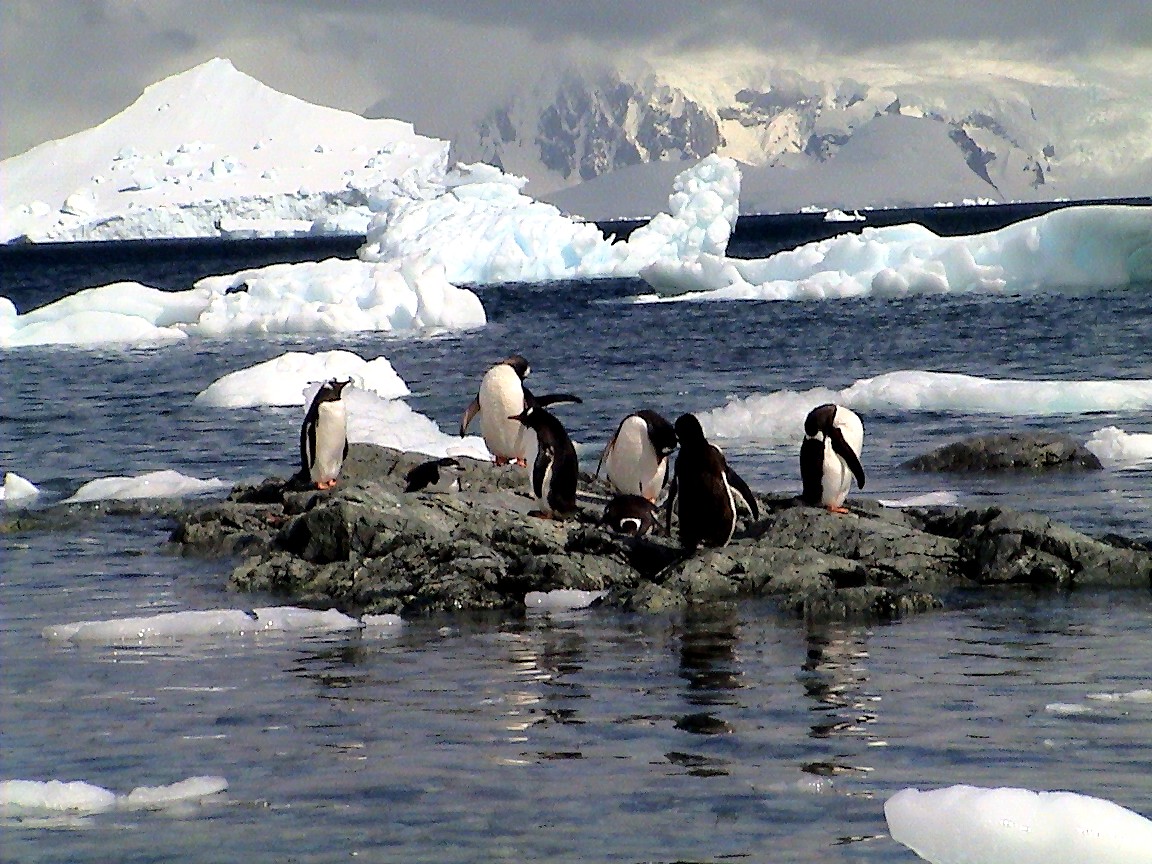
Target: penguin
[436,475]
[556,467]
[630,514]
[705,485]
[502,395]
[830,456]
[324,435]
[636,458]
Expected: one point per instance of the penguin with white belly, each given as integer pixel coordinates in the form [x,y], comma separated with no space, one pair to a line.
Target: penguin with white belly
[556,467]
[830,456]
[502,398]
[636,459]
[324,435]
[703,490]
[632,515]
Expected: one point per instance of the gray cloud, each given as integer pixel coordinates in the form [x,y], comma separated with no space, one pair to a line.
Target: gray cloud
[66,65]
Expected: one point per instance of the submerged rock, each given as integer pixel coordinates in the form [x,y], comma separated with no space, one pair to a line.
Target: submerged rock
[1010,451]
[367,546]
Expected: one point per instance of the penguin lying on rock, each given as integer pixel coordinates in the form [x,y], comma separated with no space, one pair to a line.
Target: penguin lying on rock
[633,515]
[436,475]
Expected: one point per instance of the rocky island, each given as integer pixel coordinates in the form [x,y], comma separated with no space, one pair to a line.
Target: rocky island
[367,546]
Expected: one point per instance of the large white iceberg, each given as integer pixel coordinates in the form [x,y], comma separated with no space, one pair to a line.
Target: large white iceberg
[1068,250]
[204,153]
[971,825]
[332,296]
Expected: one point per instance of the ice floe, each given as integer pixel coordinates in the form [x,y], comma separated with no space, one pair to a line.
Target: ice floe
[154,484]
[22,798]
[16,488]
[202,624]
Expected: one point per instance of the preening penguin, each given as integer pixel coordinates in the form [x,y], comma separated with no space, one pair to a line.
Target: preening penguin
[324,435]
[436,475]
[636,459]
[557,468]
[705,486]
[630,514]
[503,397]
[830,456]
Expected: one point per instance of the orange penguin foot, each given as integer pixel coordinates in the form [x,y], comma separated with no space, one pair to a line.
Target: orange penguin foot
[838,510]
[523,463]
[500,460]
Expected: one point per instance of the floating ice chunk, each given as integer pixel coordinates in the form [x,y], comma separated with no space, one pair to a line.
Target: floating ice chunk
[1131,696]
[283,380]
[156,484]
[1066,709]
[16,488]
[942,498]
[561,599]
[159,797]
[1069,250]
[1113,445]
[26,797]
[971,825]
[20,796]
[835,215]
[393,423]
[200,624]
[779,417]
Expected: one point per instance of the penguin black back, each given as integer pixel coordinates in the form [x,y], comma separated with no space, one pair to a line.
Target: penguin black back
[634,515]
[703,489]
[557,468]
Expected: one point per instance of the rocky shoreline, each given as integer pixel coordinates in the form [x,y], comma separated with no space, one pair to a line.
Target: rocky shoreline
[368,547]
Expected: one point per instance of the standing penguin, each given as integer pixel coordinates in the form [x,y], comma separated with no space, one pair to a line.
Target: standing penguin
[830,456]
[556,468]
[503,397]
[636,458]
[705,485]
[324,435]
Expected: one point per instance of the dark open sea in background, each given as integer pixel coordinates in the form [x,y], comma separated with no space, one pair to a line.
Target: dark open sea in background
[732,733]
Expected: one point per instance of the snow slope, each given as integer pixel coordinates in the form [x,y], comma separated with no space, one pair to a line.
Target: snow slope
[210,151]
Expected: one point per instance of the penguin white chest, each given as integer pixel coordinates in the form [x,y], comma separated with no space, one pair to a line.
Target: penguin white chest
[837,476]
[633,466]
[501,397]
[331,436]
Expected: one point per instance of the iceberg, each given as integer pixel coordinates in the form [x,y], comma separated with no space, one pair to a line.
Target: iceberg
[16,488]
[1113,445]
[333,296]
[155,484]
[1075,249]
[972,825]
[210,152]
[201,624]
[30,797]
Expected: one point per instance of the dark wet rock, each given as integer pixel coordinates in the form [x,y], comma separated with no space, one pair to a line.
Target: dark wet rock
[367,546]
[1011,451]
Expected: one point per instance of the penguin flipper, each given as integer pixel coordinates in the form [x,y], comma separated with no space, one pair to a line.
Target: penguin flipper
[472,410]
[607,450]
[556,398]
[540,470]
[842,449]
[307,445]
[672,489]
[737,483]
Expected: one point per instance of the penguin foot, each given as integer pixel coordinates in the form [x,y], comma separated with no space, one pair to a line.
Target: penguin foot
[523,463]
[501,461]
[542,514]
[838,510]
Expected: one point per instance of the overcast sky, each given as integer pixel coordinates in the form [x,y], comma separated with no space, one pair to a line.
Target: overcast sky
[66,65]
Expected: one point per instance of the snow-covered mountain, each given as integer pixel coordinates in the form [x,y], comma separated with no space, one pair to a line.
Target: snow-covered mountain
[805,139]
[212,151]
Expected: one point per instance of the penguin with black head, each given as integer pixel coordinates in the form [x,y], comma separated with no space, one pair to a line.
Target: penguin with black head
[636,459]
[556,467]
[632,515]
[703,490]
[435,475]
[830,456]
[324,435]
[503,397]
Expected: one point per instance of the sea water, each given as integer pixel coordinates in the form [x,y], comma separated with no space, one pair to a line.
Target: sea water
[732,733]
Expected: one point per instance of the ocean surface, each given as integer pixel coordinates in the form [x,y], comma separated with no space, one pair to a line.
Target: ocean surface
[735,733]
